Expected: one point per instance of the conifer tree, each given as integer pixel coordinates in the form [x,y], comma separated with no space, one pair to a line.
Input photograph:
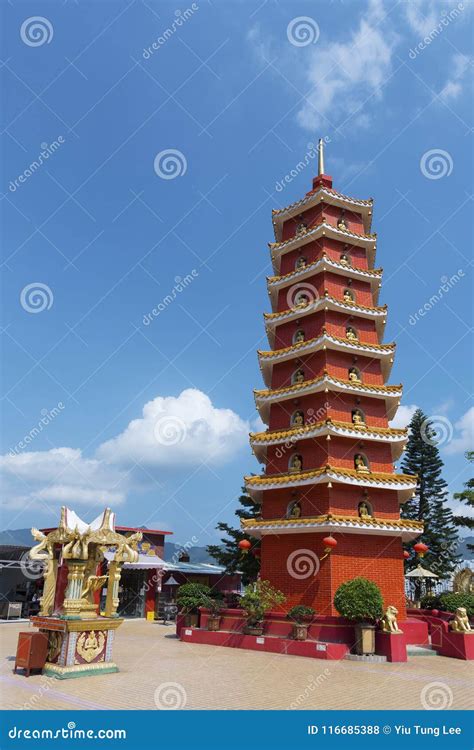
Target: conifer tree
[430,501]
[229,555]
[466,496]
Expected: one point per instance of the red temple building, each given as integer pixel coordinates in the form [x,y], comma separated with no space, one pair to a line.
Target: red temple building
[328,451]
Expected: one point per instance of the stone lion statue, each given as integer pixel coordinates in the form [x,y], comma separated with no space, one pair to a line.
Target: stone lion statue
[460,623]
[388,623]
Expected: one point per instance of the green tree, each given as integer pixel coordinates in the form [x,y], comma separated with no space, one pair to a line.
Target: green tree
[229,555]
[429,503]
[466,496]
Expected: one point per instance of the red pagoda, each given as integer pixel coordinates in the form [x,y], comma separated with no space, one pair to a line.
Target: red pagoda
[330,497]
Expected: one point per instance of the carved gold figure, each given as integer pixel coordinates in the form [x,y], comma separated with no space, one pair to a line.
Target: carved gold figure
[460,623]
[360,465]
[388,623]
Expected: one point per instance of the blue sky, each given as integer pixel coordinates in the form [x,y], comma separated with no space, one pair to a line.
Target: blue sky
[151,268]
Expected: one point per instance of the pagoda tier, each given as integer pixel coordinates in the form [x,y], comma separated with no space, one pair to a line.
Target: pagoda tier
[329,450]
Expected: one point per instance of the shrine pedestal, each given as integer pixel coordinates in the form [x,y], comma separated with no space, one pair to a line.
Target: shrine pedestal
[77,648]
[391,645]
[457,645]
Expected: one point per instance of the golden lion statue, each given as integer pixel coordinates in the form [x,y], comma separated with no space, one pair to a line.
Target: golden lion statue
[388,623]
[461,623]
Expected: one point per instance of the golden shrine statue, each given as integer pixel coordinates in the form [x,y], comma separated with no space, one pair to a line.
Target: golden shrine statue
[461,623]
[388,623]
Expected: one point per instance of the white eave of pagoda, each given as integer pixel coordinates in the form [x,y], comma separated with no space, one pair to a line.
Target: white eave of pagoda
[377,314]
[267,359]
[395,438]
[275,283]
[322,195]
[390,394]
[255,485]
[384,527]
[323,230]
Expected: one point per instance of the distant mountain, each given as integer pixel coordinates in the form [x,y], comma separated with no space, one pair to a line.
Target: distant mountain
[196,554]
[16,538]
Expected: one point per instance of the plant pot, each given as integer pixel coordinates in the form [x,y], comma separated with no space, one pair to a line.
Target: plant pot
[300,631]
[191,620]
[365,638]
[213,622]
[253,629]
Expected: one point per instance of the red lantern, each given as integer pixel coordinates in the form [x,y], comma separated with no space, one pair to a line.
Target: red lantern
[329,542]
[244,546]
[420,549]
[406,555]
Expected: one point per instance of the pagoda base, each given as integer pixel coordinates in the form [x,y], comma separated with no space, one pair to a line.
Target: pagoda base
[457,645]
[78,647]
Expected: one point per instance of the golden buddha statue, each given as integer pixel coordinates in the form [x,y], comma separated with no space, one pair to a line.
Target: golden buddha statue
[302,300]
[358,418]
[360,465]
[347,297]
[299,377]
[364,510]
[300,263]
[298,419]
[341,224]
[354,376]
[351,334]
[344,260]
[299,337]
[302,227]
[294,510]
[296,464]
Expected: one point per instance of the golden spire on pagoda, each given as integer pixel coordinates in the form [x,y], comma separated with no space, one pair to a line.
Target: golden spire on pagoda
[321,156]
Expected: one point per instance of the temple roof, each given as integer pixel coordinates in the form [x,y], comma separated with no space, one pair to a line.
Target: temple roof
[327,337]
[406,528]
[325,260]
[350,307]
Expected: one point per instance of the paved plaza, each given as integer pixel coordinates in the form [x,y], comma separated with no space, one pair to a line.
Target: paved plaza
[159,671]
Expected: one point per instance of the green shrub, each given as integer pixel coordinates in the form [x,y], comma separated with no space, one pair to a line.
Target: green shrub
[258,598]
[430,601]
[359,600]
[190,596]
[300,613]
[449,602]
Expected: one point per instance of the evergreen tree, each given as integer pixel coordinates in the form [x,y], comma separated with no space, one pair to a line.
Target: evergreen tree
[466,496]
[429,503]
[229,555]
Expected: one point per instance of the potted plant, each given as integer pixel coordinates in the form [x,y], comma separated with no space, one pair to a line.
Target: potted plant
[302,617]
[360,600]
[189,598]
[259,598]
[214,606]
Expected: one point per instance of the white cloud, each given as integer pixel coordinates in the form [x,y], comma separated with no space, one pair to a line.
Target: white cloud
[464,439]
[343,75]
[454,85]
[403,416]
[173,432]
[422,15]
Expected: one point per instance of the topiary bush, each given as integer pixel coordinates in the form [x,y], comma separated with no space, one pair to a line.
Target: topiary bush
[300,613]
[359,600]
[190,596]
[449,602]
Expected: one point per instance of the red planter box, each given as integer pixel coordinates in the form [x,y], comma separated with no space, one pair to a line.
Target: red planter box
[392,646]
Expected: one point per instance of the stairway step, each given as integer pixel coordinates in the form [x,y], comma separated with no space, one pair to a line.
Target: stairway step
[421,651]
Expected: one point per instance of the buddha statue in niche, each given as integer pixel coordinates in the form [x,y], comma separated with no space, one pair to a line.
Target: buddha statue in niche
[301,228]
[341,224]
[298,377]
[354,375]
[300,264]
[358,418]
[302,300]
[296,464]
[364,510]
[294,509]
[299,337]
[348,296]
[344,260]
[360,465]
[351,335]
[298,419]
